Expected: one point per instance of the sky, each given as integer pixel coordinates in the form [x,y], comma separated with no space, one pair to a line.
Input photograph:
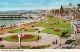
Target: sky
[34,4]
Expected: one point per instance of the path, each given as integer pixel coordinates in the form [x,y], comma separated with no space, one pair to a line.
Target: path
[46,39]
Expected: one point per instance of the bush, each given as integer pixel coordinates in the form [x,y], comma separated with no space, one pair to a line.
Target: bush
[64,33]
[41,47]
[36,29]
[11,32]
[2,46]
[35,47]
[25,30]
[25,47]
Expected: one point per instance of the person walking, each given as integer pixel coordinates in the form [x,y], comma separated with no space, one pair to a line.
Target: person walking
[56,41]
[53,42]
[60,43]
[37,39]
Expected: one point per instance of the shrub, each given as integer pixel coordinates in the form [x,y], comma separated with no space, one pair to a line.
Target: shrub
[11,32]
[36,29]
[2,46]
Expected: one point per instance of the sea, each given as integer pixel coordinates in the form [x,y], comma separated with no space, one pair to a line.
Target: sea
[10,22]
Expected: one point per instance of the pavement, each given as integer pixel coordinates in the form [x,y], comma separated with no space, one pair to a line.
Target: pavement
[46,39]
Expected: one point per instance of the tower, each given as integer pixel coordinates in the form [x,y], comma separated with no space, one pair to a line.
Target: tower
[61,10]
[70,4]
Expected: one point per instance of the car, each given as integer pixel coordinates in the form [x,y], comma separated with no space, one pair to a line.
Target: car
[68,42]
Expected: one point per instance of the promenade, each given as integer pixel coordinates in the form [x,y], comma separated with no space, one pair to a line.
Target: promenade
[45,40]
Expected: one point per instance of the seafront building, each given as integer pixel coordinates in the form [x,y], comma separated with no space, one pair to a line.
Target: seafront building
[65,11]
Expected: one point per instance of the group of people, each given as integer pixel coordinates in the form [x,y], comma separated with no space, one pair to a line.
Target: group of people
[1,27]
[56,42]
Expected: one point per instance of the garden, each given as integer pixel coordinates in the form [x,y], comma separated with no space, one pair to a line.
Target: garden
[24,38]
[25,30]
[56,26]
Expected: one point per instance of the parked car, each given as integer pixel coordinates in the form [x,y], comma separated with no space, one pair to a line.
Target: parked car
[68,42]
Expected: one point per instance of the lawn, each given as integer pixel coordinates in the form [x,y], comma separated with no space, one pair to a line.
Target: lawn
[62,23]
[8,38]
[70,31]
[18,30]
[54,23]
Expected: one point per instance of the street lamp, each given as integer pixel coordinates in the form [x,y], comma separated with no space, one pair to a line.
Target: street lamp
[19,36]
[71,18]
[72,21]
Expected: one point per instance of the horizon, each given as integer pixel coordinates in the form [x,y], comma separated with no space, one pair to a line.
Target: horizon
[9,5]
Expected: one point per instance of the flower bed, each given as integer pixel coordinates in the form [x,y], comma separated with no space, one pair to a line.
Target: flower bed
[24,38]
[57,30]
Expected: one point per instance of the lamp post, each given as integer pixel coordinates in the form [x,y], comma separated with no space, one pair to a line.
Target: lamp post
[72,21]
[70,13]
[19,36]
[71,18]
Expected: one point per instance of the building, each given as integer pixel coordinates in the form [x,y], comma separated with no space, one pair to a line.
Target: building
[66,11]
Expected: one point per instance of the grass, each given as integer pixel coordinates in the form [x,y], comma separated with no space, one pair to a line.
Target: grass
[57,33]
[18,30]
[62,23]
[8,38]
[56,23]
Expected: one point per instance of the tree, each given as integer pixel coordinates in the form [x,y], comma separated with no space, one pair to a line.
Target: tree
[78,5]
[61,10]
[70,4]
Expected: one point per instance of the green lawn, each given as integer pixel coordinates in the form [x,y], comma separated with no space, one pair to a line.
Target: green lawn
[62,23]
[56,23]
[57,33]
[18,30]
[8,38]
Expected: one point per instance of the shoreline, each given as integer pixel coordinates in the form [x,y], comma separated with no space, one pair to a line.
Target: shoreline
[25,22]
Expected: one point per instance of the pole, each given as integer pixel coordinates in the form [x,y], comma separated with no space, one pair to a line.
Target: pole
[71,24]
[19,36]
